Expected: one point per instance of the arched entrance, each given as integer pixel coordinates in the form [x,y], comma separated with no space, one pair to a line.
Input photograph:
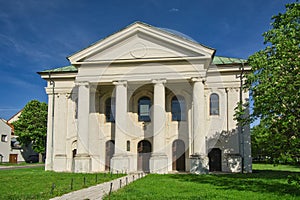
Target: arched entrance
[178,155]
[74,152]
[214,157]
[109,152]
[144,153]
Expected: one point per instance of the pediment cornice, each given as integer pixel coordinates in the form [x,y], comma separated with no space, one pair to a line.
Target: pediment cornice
[141,33]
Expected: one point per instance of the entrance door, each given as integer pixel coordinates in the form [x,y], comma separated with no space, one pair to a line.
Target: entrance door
[109,152]
[144,153]
[215,160]
[178,149]
[74,152]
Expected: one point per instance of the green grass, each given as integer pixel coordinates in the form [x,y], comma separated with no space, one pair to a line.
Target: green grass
[266,182]
[35,183]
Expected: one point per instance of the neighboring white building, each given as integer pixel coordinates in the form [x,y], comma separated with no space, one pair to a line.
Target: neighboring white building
[15,117]
[145,99]
[5,133]
[15,145]
[8,152]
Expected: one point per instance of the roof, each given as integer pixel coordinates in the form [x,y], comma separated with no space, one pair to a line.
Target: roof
[15,117]
[69,68]
[221,60]
[218,60]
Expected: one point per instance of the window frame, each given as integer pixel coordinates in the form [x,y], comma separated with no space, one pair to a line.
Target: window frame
[214,105]
[181,115]
[144,118]
[4,138]
[128,145]
[109,109]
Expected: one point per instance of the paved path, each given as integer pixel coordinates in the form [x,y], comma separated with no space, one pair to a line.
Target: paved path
[97,192]
[10,167]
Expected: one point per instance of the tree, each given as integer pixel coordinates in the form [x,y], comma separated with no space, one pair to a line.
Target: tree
[274,85]
[31,127]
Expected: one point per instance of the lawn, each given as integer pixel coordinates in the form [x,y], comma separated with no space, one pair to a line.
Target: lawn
[266,182]
[35,183]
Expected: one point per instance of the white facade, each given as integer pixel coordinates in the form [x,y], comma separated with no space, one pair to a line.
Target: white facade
[146,99]
[8,154]
[5,133]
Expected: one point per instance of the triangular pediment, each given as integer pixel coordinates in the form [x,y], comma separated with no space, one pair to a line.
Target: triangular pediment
[140,41]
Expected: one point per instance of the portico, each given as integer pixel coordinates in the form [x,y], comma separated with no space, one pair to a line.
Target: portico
[140,100]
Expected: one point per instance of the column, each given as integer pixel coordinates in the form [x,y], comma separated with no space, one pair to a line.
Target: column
[94,130]
[159,159]
[82,158]
[120,160]
[199,159]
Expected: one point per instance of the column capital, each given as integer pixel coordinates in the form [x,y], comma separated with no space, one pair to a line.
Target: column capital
[159,81]
[93,88]
[82,83]
[120,82]
[198,79]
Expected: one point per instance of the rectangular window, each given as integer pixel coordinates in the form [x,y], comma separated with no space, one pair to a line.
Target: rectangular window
[4,138]
[110,109]
[144,105]
[178,109]
[214,104]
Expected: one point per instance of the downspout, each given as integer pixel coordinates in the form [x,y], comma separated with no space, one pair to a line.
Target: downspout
[52,119]
[241,68]
[192,128]
[227,111]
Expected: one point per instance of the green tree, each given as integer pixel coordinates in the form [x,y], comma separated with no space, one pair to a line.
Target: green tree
[31,127]
[274,85]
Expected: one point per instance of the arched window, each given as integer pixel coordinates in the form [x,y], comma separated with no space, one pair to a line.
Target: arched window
[110,110]
[128,145]
[214,104]
[144,105]
[178,108]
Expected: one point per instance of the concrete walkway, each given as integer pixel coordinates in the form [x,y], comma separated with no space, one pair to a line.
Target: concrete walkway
[97,192]
[10,167]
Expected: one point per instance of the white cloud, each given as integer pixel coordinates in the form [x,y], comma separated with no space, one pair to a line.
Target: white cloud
[174,10]
[9,109]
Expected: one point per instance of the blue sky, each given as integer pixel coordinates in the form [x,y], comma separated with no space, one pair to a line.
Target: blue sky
[39,34]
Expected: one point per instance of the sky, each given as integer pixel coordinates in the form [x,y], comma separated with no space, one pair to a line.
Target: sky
[36,35]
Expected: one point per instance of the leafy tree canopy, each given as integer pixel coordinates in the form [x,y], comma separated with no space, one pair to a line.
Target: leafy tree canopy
[31,127]
[275,87]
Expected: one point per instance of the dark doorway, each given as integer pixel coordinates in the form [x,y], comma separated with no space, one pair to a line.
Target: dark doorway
[110,150]
[178,149]
[144,153]
[215,164]
[74,152]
